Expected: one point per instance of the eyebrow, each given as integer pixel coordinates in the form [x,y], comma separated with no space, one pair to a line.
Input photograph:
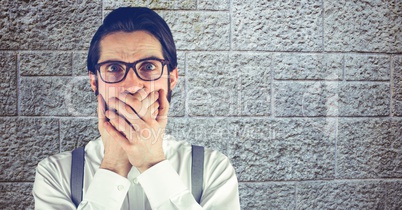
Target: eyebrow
[146,58]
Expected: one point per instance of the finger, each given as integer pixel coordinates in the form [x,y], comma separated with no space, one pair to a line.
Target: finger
[151,99]
[151,102]
[155,111]
[150,116]
[126,112]
[163,107]
[101,114]
[139,103]
[101,107]
[134,99]
[120,124]
[116,135]
[140,94]
[155,114]
[124,109]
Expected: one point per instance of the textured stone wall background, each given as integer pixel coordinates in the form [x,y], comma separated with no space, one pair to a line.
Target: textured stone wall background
[304,96]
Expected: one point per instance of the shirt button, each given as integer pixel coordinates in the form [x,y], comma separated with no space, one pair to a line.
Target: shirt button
[135,181]
[120,187]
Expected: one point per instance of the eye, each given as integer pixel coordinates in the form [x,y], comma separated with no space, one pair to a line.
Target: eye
[114,67]
[148,67]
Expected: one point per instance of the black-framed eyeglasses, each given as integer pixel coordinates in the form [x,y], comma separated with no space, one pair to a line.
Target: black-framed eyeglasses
[148,69]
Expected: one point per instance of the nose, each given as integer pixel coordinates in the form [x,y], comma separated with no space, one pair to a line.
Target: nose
[132,83]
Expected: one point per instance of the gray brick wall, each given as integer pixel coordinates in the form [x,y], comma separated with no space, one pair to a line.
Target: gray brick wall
[305,97]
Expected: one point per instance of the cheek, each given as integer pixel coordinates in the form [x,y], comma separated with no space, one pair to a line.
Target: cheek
[109,91]
[112,90]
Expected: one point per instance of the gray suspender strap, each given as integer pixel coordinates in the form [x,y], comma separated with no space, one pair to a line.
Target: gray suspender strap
[77,175]
[197,171]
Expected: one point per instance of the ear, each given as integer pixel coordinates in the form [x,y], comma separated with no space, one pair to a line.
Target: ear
[174,77]
[93,80]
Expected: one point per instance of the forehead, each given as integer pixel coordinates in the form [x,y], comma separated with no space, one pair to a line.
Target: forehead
[129,46]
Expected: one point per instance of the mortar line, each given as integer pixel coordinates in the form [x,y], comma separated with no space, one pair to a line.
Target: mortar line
[56,76]
[72,64]
[333,81]
[272,88]
[49,117]
[216,117]
[249,51]
[295,182]
[323,25]
[392,79]
[59,130]
[16,181]
[228,150]
[186,89]
[230,25]
[295,197]
[181,10]
[102,10]
[336,147]
[18,85]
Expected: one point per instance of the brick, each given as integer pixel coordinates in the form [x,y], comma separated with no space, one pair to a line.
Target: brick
[160,4]
[199,30]
[277,25]
[331,99]
[209,132]
[253,75]
[181,63]
[80,64]
[341,195]
[397,86]
[364,99]
[213,5]
[369,148]
[79,98]
[24,142]
[45,64]
[307,99]
[364,26]
[177,103]
[8,84]
[57,97]
[215,90]
[267,196]
[286,149]
[16,196]
[77,132]
[57,24]
[394,194]
[307,66]
[367,67]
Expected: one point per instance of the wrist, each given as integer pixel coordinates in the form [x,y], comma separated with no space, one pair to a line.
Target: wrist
[148,166]
[121,169]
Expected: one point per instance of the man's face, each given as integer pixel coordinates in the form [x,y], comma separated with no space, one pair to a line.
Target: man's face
[131,47]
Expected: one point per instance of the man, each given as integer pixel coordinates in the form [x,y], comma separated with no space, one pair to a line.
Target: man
[133,68]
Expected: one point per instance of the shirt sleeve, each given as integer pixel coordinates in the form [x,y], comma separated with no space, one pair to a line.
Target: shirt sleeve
[165,189]
[48,191]
[107,190]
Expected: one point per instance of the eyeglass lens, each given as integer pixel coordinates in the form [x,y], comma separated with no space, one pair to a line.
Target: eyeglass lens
[115,71]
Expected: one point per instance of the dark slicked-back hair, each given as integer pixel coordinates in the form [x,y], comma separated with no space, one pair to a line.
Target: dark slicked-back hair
[130,19]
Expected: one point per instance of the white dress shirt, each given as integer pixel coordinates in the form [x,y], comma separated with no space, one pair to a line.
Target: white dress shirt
[166,185]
